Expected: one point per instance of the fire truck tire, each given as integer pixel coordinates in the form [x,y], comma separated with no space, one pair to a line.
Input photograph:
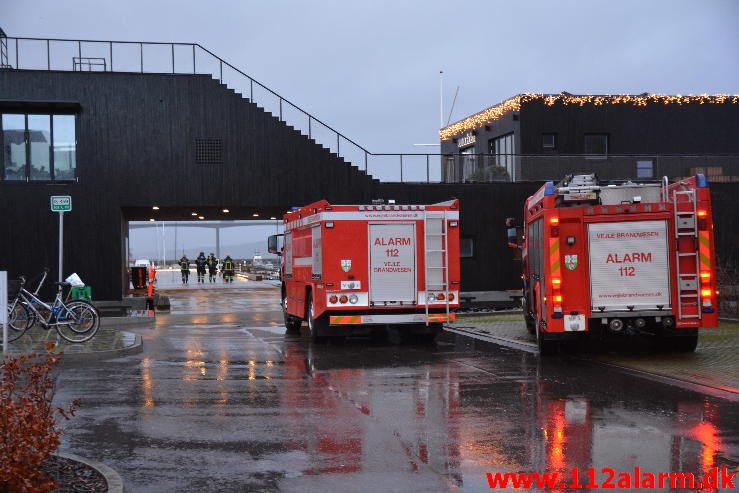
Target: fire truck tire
[530,324]
[315,325]
[546,347]
[433,332]
[684,344]
[292,324]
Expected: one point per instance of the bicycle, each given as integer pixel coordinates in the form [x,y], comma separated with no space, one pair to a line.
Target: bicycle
[75,321]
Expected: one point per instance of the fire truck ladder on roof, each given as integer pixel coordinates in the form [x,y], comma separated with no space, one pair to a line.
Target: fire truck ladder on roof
[436,249]
[686,226]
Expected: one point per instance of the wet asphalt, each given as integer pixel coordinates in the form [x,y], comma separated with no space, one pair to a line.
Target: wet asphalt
[221,399]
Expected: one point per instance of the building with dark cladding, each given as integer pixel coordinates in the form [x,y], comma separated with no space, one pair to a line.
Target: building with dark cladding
[646,136]
[120,143]
[182,143]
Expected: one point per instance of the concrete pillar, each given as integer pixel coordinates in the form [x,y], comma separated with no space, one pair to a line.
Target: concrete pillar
[218,242]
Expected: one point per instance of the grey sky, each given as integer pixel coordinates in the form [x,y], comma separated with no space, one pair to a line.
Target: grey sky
[371,69]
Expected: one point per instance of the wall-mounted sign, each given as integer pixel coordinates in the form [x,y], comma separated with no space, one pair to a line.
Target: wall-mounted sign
[466,140]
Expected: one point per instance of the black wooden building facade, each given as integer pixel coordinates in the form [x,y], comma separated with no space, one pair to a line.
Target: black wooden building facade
[187,142]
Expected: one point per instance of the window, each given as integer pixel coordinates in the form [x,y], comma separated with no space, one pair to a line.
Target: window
[596,145]
[38,147]
[503,148]
[549,141]
[644,169]
[14,147]
[466,247]
[39,142]
[65,155]
[469,162]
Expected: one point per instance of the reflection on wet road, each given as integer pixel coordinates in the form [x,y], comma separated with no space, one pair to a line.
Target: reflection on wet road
[222,400]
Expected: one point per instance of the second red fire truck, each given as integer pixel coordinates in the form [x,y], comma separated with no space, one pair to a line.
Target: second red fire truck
[348,268]
[603,260]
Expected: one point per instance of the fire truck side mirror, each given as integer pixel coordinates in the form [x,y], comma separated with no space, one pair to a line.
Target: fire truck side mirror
[274,245]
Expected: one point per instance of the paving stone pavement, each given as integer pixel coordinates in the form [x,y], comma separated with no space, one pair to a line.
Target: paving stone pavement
[715,363]
[110,340]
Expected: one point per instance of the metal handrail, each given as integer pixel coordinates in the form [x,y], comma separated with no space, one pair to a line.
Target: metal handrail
[16,64]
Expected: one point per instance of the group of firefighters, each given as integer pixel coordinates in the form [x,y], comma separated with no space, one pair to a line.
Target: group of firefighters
[211,264]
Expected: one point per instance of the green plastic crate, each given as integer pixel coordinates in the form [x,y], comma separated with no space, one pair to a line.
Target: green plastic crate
[81,293]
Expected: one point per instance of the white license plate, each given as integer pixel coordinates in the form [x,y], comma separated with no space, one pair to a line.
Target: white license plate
[574,323]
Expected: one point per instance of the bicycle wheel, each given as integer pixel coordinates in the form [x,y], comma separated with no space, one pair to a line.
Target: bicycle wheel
[19,320]
[87,306]
[78,323]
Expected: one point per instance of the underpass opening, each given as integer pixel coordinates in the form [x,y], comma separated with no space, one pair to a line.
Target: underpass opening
[161,236]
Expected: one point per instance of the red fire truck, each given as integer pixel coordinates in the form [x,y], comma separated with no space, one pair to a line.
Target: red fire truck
[601,260]
[351,268]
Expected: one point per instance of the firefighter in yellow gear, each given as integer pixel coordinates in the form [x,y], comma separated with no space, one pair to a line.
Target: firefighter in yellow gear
[184,268]
[228,269]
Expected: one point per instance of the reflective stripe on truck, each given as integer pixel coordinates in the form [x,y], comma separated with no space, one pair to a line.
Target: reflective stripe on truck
[391,319]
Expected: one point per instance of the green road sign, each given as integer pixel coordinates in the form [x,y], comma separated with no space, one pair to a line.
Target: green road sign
[61,203]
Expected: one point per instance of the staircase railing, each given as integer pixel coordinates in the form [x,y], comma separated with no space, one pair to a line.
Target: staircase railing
[173,58]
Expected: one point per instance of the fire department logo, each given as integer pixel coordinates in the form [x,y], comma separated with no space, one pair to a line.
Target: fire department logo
[346,265]
[571,261]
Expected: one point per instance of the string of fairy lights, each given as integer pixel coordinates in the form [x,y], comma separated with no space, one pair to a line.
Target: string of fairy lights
[514,104]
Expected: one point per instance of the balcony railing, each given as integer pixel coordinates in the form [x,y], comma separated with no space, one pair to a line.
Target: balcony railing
[477,168]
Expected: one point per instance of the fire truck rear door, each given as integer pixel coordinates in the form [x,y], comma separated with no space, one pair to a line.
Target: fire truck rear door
[629,265]
[392,254]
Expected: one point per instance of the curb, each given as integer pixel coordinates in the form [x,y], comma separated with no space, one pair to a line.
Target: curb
[501,341]
[683,383]
[115,483]
[143,322]
[135,348]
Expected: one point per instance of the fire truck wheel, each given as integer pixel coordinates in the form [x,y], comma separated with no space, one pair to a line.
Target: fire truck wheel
[315,325]
[546,348]
[433,333]
[684,344]
[530,324]
[292,324]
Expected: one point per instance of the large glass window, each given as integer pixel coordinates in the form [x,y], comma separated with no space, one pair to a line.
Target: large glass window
[504,150]
[39,139]
[65,147]
[469,162]
[39,147]
[14,147]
